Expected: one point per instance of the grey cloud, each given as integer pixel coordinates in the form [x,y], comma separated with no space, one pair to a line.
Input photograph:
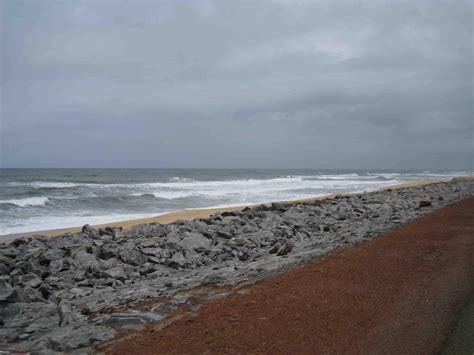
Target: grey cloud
[237,84]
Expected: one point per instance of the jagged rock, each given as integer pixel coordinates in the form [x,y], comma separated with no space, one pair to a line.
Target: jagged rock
[239,242]
[117,273]
[133,257]
[71,276]
[109,250]
[8,252]
[146,269]
[223,234]
[193,241]
[111,231]
[7,293]
[275,248]
[157,252]
[90,231]
[177,260]
[130,319]
[56,266]
[86,260]
[6,265]
[33,266]
[107,237]
[148,243]
[81,291]
[33,282]
[65,313]
[29,280]
[228,214]
[155,260]
[69,337]
[164,309]
[285,249]
[28,294]
[53,254]
[243,255]
[424,203]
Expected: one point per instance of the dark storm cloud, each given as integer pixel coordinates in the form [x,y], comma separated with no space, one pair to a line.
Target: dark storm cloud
[375,84]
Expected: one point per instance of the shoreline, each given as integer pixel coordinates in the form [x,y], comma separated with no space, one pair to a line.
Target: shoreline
[190,214]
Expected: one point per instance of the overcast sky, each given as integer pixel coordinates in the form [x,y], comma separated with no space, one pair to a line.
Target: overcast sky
[270,84]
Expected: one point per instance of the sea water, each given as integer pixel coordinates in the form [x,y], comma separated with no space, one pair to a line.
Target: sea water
[43,199]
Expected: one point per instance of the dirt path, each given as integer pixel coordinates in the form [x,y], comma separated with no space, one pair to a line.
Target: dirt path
[397,294]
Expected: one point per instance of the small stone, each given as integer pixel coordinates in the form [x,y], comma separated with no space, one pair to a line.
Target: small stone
[285,249]
[29,279]
[90,231]
[133,257]
[117,273]
[7,293]
[148,243]
[112,231]
[98,243]
[108,251]
[81,291]
[243,255]
[238,242]
[225,235]
[65,313]
[424,203]
[130,319]
[33,282]
[275,248]
[9,252]
[86,260]
[228,214]
[28,294]
[155,260]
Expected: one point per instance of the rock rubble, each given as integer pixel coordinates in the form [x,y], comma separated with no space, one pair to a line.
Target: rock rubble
[73,291]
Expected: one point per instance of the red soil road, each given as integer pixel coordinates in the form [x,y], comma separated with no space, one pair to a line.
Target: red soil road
[399,293]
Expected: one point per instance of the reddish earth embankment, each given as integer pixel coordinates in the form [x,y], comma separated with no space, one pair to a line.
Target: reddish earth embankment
[399,293]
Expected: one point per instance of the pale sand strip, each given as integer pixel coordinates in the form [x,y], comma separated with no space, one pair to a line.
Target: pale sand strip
[198,213]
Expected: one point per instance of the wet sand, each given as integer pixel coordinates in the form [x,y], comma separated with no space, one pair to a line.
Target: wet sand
[399,293]
[186,214]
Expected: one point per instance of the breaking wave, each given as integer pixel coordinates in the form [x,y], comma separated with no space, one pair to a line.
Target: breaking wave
[26,202]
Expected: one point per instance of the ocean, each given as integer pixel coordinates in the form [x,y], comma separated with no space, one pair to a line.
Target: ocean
[43,199]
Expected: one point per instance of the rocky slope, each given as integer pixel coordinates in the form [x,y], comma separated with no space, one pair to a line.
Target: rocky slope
[75,290]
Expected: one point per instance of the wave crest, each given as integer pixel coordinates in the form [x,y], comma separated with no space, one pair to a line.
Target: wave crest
[26,202]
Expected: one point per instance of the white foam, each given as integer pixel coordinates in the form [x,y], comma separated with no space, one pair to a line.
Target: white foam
[58,222]
[58,185]
[338,177]
[272,188]
[49,184]
[384,174]
[25,202]
[169,195]
[180,183]
[444,175]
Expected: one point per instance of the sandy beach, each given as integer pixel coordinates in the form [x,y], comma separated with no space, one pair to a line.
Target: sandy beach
[191,214]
